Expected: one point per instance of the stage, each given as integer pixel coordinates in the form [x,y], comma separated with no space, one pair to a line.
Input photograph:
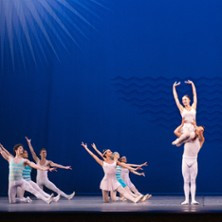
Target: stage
[159,208]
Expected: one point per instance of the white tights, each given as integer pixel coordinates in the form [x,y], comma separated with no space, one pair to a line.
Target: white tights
[47,183]
[12,190]
[189,171]
[20,191]
[122,191]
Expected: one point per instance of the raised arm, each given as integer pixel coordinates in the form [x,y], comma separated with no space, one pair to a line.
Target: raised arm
[96,158]
[4,154]
[95,148]
[194,105]
[6,151]
[52,164]
[34,156]
[179,106]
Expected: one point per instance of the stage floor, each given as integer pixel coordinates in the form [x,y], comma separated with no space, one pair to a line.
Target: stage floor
[157,204]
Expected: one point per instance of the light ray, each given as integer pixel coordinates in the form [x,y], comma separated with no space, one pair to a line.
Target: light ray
[29,29]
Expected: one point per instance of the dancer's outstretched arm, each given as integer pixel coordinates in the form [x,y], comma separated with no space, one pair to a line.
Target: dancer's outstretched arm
[137,165]
[180,107]
[5,150]
[4,154]
[34,156]
[99,161]
[194,105]
[52,164]
[37,167]
[125,165]
[137,173]
[95,148]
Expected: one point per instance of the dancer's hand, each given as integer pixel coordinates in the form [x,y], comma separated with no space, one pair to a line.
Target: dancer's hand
[176,84]
[144,164]
[93,145]
[188,82]
[68,168]
[52,169]
[142,174]
[84,145]
[27,139]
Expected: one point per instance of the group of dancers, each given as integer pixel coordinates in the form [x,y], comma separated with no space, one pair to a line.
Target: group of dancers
[20,175]
[116,169]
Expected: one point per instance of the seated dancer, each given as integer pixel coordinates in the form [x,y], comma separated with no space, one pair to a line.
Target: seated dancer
[119,178]
[188,113]
[126,178]
[109,182]
[16,167]
[119,169]
[42,177]
[190,164]
[27,176]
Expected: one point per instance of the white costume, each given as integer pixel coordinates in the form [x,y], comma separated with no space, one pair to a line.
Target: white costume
[126,178]
[188,130]
[190,169]
[42,180]
[16,180]
[110,183]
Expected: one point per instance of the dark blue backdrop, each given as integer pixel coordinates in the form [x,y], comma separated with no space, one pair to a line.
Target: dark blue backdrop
[114,89]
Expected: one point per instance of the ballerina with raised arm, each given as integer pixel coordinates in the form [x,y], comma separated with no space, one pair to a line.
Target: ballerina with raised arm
[109,182]
[188,113]
[42,177]
[16,167]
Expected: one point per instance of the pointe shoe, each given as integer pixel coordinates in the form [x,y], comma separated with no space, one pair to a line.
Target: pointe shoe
[186,202]
[137,199]
[149,196]
[71,196]
[194,202]
[176,143]
[50,199]
[57,198]
[144,198]
[28,199]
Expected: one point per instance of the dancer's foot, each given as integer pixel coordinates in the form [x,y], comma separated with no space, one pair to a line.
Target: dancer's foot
[137,199]
[176,143]
[194,202]
[71,196]
[149,196]
[57,198]
[144,198]
[50,199]
[186,202]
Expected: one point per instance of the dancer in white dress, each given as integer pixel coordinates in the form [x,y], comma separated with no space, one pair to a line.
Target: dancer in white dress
[119,174]
[190,164]
[16,167]
[109,182]
[42,177]
[187,112]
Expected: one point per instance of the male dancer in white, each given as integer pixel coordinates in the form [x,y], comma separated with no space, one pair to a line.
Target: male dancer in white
[27,176]
[187,112]
[16,167]
[42,177]
[189,162]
